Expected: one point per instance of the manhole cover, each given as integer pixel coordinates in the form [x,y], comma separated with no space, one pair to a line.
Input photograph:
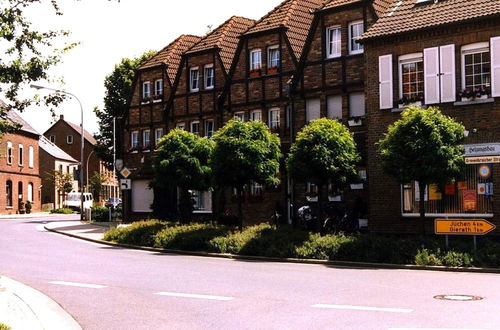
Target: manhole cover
[458,297]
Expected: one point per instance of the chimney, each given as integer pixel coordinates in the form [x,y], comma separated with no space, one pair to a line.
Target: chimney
[61,117]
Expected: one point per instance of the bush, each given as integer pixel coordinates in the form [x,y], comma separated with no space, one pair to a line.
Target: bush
[322,247]
[100,214]
[194,237]
[457,259]
[4,326]
[140,233]
[62,211]
[425,258]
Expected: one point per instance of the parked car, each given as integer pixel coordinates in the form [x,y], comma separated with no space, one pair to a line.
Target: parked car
[113,201]
[73,201]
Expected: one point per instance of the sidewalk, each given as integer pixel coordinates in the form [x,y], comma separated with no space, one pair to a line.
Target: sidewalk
[26,216]
[81,230]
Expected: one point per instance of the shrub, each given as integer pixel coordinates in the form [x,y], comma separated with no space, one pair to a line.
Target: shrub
[457,259]
[425,258]
[322,247]
[139,233]
[62,211]
[4,326]
[100,214]
[194,237]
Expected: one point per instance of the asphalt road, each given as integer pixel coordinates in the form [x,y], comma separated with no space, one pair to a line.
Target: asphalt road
[112,288]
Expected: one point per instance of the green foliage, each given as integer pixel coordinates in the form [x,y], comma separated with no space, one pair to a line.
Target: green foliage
[324,151]
[426,258]
[100,214]
[62,211]
[4,326]
[96,181]
[194,237]
[118,92]
[457,259]
[139,233]
[322,247]
[424,145]
[62,181]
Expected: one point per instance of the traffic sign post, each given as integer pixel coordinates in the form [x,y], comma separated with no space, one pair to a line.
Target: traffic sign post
[470,227]
[125,184]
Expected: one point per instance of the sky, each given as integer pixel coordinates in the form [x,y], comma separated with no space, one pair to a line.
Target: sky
[110,30]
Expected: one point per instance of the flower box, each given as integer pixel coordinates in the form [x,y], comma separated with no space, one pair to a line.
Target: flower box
[410,104]
[272,70]
[472,94]
[255,73]
[355,122]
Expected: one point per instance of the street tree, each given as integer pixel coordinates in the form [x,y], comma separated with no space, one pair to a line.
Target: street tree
[96,182]
[119,90]
[423,146]
[324,153]
[182,160]
[245,153]
[62,181]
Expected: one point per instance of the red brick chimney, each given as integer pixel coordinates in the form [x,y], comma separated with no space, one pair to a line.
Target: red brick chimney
[61,117]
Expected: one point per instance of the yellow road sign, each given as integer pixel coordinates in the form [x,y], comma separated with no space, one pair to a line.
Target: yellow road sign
[463,226]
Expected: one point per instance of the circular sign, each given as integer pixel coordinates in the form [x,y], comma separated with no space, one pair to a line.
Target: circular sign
[119,164]
[484,171]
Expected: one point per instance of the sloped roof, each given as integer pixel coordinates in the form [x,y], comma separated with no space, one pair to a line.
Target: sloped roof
[14,117]
[380,6]
[171,54]
[54,150]
[337,3]
[224,37]
[407,15]
[89,137]
[295,15]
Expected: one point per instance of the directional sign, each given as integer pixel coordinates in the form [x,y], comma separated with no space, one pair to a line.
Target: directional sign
[125,184]
[482,160]
[463,227]
[125,172]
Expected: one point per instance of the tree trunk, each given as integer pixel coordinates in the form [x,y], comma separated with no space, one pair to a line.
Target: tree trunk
[321,208]
[421,186]
[185,205]
[240,211]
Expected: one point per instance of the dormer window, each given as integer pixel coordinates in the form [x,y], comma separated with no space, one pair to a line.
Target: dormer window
[356,29]
[273,59]
[333,42]
[146,90]
[159,87]
[194,79]
[209,76]
[255,59]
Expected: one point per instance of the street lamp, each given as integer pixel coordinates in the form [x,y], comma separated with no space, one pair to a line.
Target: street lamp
[81,139]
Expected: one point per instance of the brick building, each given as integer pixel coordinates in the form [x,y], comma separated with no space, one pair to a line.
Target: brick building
[444,54]
[67,136]
[19,167]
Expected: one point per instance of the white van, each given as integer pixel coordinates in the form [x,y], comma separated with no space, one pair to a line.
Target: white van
[73,201]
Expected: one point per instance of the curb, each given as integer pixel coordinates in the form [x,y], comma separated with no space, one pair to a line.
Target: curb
[31,309]
[344,264]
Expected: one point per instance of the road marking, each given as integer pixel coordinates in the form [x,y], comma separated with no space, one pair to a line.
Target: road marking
[197,296]
[81,285]
[363,308]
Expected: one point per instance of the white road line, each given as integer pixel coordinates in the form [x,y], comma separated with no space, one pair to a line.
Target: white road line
[81,285]
[363,308]
[196,296]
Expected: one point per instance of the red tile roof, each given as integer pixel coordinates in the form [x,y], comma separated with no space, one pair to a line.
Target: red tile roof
[380,6]
[224,37]
[171,54]
[406,15]
[295,15]
[89,137]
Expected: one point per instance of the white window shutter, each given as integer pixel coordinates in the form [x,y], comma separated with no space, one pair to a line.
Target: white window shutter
[431,75]
[313,109]
[495,66]
[385,81]
[447,64]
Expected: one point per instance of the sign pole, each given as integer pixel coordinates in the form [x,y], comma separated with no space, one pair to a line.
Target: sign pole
[447,242]
[475,245]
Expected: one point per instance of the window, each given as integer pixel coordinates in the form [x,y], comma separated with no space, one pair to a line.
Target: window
[31,157]
[274,118]
[476,67]
[411,77]
[180,125]
[355,31]
[356,105]
[195,127]
[146,90]
[202,200]
[256,115]
[30,192]
[256,189]
[146,138]
[158,135]
[311,192]
[313,109]
[134,139]
[209,127]
[194,85]
[209,76]
[273,57]
[8,193]
[21,155]
[69,139]
[10,151]
[239,115]
[334,107]
[159,87]
[255,59]
[20,190]
[333,42]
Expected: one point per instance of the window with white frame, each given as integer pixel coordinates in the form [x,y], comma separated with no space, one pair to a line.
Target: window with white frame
[273,57]
[256,115]
[194,79]
[274,118]
[52,138]
[69,139]
[411,78]
[21,155]
[255,59]
[159,87]
[180,125]
[31,157]
[209,76]
[355,31]
[209,127]
[134,139]
[202,200]
[239,115]
[146,138]
[195,127]
[311,192]
[146,90]
[158,135]
[476,66]
[30,192]
[10,153]
[256,189]
[357,104]
[333,42]
[334,106]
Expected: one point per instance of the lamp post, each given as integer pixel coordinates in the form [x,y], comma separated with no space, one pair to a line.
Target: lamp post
[87,168]
[82,140]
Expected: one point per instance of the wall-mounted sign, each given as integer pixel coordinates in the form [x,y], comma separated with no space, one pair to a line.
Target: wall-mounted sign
[463,227]
[484,171]
[449,189]
[482,160]
[484,149]
[470,200]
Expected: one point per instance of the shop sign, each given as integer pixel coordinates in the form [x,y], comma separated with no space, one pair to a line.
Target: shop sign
[469,200]
[484,149]
[482,160]
[463,227]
